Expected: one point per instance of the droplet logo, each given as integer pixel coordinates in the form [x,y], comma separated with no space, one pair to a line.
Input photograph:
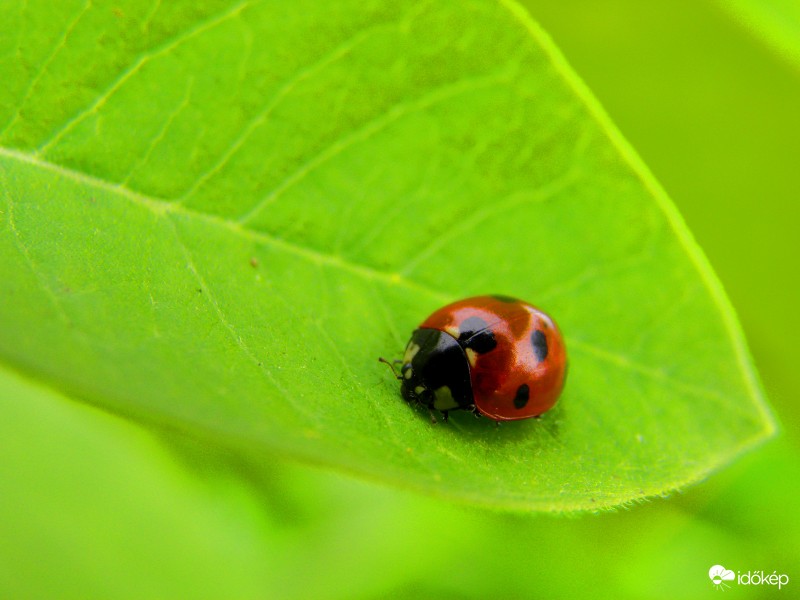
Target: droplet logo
[719,575]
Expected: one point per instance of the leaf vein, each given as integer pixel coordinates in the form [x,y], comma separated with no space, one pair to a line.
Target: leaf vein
[624,362]
[148,18]
[208,294]
[593,272]
[125,75]
[25,252]
[518,198]
[161,134]
[165,209]
[368,130]
[329,58]
[33,81]
[377,228]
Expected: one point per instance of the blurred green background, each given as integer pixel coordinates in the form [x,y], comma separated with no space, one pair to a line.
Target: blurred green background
[713,110]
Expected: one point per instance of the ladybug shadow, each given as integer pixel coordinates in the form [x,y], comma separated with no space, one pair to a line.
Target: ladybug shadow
[538,430]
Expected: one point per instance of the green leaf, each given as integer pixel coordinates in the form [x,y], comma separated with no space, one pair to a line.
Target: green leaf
[92,507]
[219,222]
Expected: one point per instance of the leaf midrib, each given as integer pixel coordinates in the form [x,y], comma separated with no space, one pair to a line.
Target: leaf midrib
[561,67]
[162,208]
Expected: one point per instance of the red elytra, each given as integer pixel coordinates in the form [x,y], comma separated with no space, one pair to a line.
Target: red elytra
[496,355]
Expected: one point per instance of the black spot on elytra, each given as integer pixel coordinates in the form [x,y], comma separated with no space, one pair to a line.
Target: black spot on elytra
[471,326]
[523,394]
[539,342]
[502,298]
[475,334]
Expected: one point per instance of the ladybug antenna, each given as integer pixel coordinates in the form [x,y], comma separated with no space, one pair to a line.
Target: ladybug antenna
[391,366]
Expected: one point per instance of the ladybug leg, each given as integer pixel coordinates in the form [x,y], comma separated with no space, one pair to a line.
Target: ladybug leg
[445,415]
[391,366]
[433,416]
[475,412]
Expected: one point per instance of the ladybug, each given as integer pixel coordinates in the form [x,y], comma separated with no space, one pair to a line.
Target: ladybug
[493,355]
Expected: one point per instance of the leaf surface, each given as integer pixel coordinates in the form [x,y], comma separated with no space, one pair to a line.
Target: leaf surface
[218,224]
[93,507]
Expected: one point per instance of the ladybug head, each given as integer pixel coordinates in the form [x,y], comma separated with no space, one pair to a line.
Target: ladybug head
[413,386]
[435,371]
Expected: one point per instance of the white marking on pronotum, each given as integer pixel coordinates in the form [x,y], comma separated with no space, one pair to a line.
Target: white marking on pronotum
[444,399]
[411,352]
